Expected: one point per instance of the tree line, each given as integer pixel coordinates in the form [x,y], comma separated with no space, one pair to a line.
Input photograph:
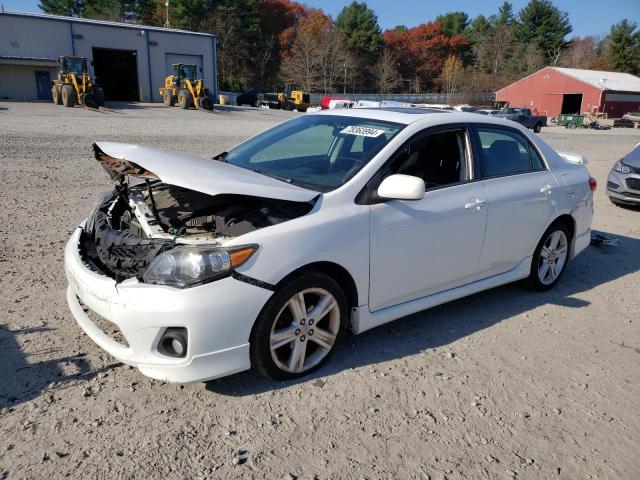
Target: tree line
[266,42]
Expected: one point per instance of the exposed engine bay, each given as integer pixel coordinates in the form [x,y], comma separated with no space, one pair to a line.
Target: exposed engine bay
[138,222]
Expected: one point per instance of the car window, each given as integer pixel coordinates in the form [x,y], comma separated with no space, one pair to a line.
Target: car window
[503,152]
[536,161]
[440,159]
[320,152]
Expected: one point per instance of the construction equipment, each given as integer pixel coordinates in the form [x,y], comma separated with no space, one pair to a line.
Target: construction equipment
[184,87]
[294,98]
[75,85]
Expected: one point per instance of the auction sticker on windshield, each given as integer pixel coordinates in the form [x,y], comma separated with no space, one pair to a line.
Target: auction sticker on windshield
[362,131]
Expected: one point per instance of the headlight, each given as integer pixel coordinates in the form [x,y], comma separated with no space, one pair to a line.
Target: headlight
[184,267]
[105,197]
[621,167]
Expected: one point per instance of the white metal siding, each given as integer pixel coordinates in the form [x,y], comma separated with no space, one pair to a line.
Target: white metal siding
[18,82]
[34,37]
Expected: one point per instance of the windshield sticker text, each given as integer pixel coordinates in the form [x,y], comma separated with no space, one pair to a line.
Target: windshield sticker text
[362,131]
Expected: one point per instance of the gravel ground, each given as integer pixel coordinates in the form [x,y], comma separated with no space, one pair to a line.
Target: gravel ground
[504,384]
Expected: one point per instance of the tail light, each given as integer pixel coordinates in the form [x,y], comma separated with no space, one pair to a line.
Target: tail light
[593,184]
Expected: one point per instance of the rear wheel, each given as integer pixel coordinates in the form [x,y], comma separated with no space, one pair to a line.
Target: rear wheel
[168,99]
[298,328]
[99,94]
[68,97]
[56,95]
[184,98]
[206,103]
[550,257]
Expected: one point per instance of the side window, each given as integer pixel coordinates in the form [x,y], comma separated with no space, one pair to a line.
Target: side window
[440,159]
[536,161]
[503,152]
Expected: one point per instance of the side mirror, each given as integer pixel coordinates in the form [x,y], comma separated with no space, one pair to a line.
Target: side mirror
[401,187]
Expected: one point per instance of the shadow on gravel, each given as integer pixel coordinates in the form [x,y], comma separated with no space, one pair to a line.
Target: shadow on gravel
[449,322]
[22,380]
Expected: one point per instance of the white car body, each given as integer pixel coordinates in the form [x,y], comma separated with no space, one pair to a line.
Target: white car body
[480,234]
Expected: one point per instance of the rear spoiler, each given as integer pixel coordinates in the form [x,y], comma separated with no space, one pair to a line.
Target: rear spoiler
[574,157]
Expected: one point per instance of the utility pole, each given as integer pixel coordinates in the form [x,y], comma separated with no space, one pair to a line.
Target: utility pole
[345,76]
[166,23]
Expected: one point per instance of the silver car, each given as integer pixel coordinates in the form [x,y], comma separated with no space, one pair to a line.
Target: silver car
[623,184]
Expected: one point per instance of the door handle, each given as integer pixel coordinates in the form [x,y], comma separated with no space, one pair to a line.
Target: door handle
[475,203]
[546,189]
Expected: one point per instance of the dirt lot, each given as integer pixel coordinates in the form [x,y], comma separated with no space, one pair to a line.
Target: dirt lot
[505,384]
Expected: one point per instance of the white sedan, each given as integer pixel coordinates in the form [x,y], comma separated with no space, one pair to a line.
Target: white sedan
[263,256]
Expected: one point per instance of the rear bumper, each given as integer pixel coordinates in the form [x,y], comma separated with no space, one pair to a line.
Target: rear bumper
[218,318]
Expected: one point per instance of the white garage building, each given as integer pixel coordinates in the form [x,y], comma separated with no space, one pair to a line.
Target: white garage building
[130,61]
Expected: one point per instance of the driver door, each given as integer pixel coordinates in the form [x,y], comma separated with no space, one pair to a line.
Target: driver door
[422,247]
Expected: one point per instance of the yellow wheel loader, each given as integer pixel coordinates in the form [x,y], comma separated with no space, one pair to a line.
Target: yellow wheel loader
[75,85]
[185,88]
[294,98]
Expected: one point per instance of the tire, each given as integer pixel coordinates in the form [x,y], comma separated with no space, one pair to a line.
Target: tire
[68,97]
[56,95]
[168,99]
[257,103]
[184,99]
[289,106]
[99,94]
[301,350]
[541,278]
[206,103]
[537,128]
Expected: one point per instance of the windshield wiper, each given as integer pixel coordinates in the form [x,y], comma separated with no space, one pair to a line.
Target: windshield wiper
[222,157]
[273,175]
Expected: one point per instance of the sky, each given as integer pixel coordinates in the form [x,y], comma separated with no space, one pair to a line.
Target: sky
[588,17]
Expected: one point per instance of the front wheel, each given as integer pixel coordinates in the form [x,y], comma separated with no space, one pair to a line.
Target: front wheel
[550,257]
[537,128]
[298,328]
[184,99]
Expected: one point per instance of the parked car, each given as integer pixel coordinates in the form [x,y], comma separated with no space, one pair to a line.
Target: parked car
[263,256]
[524,117]
[623,184]
[633,116]
[485,111]
[250,97]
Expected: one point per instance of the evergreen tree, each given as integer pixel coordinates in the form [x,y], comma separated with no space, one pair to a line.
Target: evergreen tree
[453,23]
[544,26]
[624,48]
[359,25]
[62,7]
[505,14]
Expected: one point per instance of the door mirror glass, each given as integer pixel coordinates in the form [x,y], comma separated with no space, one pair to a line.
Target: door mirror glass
[401,187]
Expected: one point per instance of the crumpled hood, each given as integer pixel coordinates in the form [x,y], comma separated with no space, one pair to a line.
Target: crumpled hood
[196,173]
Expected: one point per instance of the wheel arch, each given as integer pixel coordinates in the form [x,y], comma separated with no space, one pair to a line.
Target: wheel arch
[335,271]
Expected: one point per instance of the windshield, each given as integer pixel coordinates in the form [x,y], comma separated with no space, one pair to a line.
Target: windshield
[75,65]
[189,71]
[319,152]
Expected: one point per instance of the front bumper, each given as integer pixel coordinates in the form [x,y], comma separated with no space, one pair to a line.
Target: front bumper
[218,317]
[618,189]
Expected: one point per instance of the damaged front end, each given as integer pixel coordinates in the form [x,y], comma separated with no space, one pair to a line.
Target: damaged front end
[132,226]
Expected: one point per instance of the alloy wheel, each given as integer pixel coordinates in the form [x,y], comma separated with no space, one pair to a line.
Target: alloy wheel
[553,257]
[305,330]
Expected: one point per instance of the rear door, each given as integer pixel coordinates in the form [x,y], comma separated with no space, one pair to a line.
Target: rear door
[520,192]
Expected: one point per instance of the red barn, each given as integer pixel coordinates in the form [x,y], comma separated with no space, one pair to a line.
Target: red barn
[553,90]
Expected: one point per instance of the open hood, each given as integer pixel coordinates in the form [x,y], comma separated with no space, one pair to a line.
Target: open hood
[211,177]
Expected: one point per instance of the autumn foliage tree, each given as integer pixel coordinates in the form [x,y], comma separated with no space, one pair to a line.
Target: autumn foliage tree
[421,52]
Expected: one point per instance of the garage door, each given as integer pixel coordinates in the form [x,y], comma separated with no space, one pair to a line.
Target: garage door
[171,58]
